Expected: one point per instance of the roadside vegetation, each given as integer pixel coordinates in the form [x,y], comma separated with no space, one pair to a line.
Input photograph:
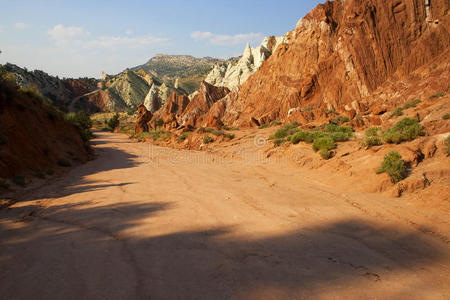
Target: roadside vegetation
[323,138]
[394,166]
[83,122]
[216,132]
[399,110]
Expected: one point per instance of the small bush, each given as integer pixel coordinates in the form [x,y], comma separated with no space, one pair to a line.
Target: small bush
[335,128]
[285,132]
[339,136]
[412,104]
[50,172]
[325,143]
[394,166]
[446,117]
[184,136]
[271,124]
[207,139]
[374,131]
[18,180]
[405,130]
[371,141]
[397,112]
[3,140]
[229,135]
[309,108]
[279,142]
[159,122]
[343,119]
[114,122]
[33,92]
[437,95]
[64,163]
[83,121]
[132,111]
[40,175]
[325,154]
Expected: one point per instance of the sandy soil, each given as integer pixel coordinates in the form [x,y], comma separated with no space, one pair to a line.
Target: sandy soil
[145,222]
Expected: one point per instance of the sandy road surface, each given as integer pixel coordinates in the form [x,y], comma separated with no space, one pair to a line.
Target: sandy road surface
[153,223]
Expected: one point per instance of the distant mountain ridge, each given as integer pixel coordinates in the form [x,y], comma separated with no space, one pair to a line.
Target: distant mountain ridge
[184,71]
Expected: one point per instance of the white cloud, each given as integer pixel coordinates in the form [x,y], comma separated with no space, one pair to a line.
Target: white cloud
[21,26]
[223,39]
[78,37]
[61,32]
[129,32]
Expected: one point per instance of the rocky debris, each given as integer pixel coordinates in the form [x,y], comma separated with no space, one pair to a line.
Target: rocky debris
[235,73]
[201,103]
[339,56]
[167,117]
[142,118]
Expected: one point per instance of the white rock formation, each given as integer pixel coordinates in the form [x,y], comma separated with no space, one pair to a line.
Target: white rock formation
[152,101]
[234,74]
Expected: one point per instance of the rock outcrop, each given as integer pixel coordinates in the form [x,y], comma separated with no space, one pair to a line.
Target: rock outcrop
[235,73]
[201,103]
[169,114]
[142,118]
[339,54]
[152,101]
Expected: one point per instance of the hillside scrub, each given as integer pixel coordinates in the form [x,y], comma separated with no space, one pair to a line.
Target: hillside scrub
[403,131]
[83,122]
[394,166]
[373,137]
[447,144]
[114,122]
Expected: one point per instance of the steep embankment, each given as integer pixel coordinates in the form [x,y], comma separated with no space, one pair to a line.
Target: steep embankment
[34,137]
[337,57]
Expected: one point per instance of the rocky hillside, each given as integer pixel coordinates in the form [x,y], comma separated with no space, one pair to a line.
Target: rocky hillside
[181,71]
[344,56]
[59,91]
[126,91]
[235,72]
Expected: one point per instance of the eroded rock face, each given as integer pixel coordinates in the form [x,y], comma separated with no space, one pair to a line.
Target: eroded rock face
[201,103]
[339,54]
[171,111]
[233,74]
[142,119]
[152,101]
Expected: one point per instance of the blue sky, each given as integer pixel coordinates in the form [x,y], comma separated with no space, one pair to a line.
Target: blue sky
[82,38]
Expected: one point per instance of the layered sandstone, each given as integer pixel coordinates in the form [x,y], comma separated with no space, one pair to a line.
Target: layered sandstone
[337,57]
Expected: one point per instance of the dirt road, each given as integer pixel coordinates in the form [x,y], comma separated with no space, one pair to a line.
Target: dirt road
[142,222]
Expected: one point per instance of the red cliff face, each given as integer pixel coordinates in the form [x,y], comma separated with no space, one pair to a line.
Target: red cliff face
[201,103]
[339,55]
[171,110]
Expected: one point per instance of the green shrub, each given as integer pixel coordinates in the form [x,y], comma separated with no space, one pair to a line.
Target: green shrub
[229,135]
[3,140]
[50,172]
[81,120]
[339,136]
[335,128]
[33,92]
[394,166]
[343,119]
[39,174]
[114,122]
[207,139]
[271,124]
[63,163]
[284,132]
[437,95]
[326,143]
[132,111]
[412,104]
[184,136]
[447,144]
[18,180]
[405,130]
[309,108]
[446,117]
[397,112]
[280,141]
[373,132]
[325,154]
[159,122]
[371,141]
